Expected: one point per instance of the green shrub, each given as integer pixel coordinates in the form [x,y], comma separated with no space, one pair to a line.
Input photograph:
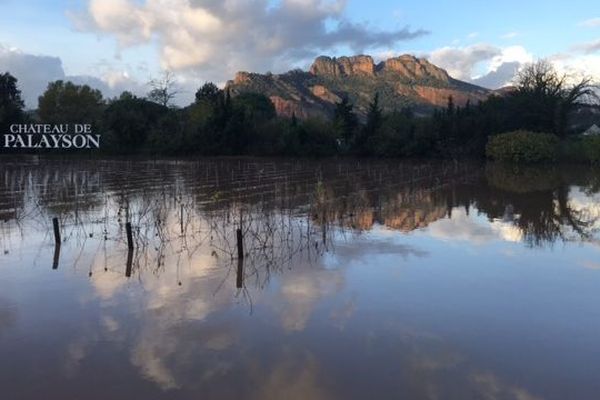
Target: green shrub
[591,146]
[523,147]
[582,149]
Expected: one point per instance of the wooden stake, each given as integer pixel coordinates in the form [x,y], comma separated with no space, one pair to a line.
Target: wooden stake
[240,244]
[129,263]
[240,274]
[56,256]
[129,236]
[56,231]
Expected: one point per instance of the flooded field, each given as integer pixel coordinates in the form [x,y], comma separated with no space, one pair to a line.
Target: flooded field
[261,279]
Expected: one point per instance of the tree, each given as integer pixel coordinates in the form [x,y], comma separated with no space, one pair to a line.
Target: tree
[365,143]
[65,102]
[162,90]
[208,92]
[256,107]
[345,120]
[11,104]
[544,98]
[450,108]
[374,116]
[129,121]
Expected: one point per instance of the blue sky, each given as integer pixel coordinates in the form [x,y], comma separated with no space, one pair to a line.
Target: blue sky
[545,27]
[125,42]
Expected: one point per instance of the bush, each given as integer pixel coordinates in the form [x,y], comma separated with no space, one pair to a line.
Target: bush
[523,147]
[583,149]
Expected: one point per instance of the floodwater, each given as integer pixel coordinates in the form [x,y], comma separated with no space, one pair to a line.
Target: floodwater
[359,279]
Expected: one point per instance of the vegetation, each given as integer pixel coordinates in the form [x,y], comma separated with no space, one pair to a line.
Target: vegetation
[11,104]
[523,147]
[218,123]
[163,90]
[65,102]
[582,148]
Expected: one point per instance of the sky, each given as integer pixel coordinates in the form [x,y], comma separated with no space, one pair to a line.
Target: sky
[118,45]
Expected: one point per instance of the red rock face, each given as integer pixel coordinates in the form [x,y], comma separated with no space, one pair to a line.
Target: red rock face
[289,108]
[409,219]
[325,66]
[404,79]
[343,66]
[415,68]
[439,96]
[325,94]
[406,66]
[241,78]
[357,65]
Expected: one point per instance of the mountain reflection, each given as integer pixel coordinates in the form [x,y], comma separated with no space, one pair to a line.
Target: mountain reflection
[183,210]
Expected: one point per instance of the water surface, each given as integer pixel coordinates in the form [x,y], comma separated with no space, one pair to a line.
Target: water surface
[359,280]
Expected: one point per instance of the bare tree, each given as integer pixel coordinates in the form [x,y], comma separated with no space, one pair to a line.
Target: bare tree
[162,90]
[553,95]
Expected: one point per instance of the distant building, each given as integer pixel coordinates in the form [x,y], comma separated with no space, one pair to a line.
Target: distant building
[593,130]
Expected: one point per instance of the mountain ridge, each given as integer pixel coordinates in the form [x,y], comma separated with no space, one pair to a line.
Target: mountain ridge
[403,81]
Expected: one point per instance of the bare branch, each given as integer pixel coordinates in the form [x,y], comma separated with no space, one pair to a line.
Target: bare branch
[162,90]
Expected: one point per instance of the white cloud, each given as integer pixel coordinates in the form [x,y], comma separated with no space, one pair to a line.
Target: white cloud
[483,64]
[588,47]
[591,23]
[511,54]
[463,227]
[34,72]
[510,35]
[578,66]
[460,62]
[502,76]
[216,38]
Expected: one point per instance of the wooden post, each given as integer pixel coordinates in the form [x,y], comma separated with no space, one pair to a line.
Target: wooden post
[56,256]
[240,244]
[56,231]
[240,274]
[181,219]
[129,263]
[129,236]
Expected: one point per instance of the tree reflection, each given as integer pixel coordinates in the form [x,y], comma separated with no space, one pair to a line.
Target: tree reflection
[183,212]
[537,201]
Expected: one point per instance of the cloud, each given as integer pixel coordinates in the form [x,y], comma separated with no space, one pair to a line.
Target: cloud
[482,64]
[463,227]
[503,67]
[510,35]
[500,77]
[34,72]
[577,66]
[511,54]
[591,265]
[216,38]
[589,47]
[591,23]
[460,62]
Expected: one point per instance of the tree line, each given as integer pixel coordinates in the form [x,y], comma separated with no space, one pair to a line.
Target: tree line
[217,123]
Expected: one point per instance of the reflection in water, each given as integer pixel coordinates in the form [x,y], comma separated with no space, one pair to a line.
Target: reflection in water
[282,210]
[297,279]
[537,202]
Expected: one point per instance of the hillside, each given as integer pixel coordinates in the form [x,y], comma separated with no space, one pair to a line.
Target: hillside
[404,81]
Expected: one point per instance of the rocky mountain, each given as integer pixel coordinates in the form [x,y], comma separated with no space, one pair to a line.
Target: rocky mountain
[404,81]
